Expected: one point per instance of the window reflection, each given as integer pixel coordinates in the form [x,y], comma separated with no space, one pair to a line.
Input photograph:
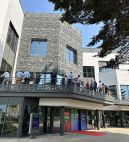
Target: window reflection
[124,92]
[12,37]
[47,78]
[113,91]
[39,48]
[71,55]
[9,117]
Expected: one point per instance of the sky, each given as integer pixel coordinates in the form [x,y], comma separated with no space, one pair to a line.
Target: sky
[43,6]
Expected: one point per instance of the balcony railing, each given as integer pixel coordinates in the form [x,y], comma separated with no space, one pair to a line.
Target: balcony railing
[47,87]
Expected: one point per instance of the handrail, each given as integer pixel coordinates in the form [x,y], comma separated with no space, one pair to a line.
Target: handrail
[46,86]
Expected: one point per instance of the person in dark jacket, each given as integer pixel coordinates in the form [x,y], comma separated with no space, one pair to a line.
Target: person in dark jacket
[53,79]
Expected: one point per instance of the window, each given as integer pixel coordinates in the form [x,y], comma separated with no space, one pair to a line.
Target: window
[113,91]
[9,119]
[5,66]
[102,66]
[71,55]
[124,92]
[39,48]
[12,38]
[88,71]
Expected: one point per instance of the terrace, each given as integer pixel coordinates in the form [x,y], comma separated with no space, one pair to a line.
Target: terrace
[46,90]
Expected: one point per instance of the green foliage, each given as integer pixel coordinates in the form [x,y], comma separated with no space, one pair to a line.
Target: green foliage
[113,13]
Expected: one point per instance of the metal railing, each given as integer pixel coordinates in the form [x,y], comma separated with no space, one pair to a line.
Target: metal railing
[45,86]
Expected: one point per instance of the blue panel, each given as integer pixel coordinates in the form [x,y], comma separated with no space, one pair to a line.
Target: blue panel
[83,121]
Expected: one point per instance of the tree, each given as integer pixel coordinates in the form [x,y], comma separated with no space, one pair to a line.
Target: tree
[113,13]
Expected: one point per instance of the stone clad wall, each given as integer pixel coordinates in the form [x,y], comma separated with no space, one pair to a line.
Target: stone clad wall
[57,34]
[73,38]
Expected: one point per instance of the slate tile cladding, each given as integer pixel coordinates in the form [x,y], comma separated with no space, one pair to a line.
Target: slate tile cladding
[58,35]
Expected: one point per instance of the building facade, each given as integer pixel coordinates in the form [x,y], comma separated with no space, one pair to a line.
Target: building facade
[116,79]
[47,41]
[11,15]
[38,42]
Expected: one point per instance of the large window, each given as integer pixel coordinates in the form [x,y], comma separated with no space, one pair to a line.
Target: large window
[71,55]
[9,120]
[39,48]
[88,71]
[12,37]
[113,91]
[125,92]
[103,66]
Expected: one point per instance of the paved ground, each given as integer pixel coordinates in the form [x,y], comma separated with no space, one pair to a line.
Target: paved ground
[112,135]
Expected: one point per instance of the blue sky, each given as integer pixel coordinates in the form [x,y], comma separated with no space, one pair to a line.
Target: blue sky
[88,31]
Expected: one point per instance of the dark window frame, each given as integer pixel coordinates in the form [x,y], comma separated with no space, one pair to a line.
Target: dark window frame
[68,57]
[12,37]
[113,90]
[125,96]
[38,50]
[89,71]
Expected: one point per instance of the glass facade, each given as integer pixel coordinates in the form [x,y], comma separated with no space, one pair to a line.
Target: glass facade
[12,38]
[88,71]
[102,66]
[47,79]
[9,120]
[71,55]
[39,48]
[113,91]
[124,92]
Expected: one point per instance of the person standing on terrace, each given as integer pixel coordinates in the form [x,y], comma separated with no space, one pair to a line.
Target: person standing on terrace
[78,83]
[69,78]
[19,77]
[53,79]
[6,79]
[26,77]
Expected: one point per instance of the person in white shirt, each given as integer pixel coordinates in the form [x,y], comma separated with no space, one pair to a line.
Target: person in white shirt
[6,76]
[42,76]
[69,78]
[100,87]
[19,77]
[78,82]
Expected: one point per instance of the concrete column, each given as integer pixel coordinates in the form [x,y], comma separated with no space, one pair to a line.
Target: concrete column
[21,115]
[44,112]
[121,118]
[51,119]
[98,119]
[86,118]
[62,109]
[79,116]
[103,120]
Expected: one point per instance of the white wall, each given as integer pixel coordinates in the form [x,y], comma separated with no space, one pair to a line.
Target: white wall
[110,78]
[3,10]
[115,77]
[90,60]
[124,66]
[122,78]
[10,10]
